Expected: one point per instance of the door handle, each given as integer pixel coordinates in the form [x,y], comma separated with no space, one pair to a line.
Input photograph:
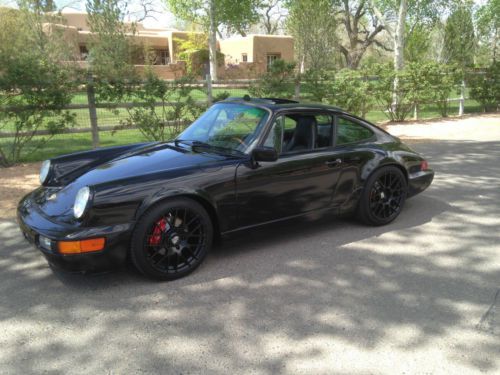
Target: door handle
[333,163]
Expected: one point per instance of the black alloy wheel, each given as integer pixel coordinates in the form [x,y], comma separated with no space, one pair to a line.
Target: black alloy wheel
[383,197]
[171,239]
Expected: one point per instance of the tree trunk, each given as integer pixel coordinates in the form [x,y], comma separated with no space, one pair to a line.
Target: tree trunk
[302,68]
[399,48]
[212,41]
[399,37]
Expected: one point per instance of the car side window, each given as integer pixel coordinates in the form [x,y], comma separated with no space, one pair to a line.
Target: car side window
[275,136]
[300,132]
[349,131]
[324,131]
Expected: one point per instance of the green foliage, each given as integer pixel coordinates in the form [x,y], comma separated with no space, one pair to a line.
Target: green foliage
[35,85]
[381,88]
[419,83]
[277,82]
[313,25]
[347,89]
[164,121]
[417,43]
[221,96]
[350,92]
[194,51]
[488,27]
[485,87]
[112,51]
[235,16]
[318,84]
[459,38]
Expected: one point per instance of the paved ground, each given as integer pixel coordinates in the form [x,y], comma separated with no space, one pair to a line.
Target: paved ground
[421,295]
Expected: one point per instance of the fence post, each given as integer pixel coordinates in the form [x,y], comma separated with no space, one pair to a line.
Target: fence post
[92,111]
[462,99]
[209,90]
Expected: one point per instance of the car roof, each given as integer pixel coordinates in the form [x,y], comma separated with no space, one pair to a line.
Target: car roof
[279,103]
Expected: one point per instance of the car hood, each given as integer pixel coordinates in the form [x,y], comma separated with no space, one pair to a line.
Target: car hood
[159,159]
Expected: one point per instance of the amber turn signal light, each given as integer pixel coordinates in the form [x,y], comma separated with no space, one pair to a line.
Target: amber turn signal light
[83,246]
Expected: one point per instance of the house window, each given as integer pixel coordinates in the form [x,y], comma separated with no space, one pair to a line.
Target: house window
[244,57]
[162,57]
[272,57]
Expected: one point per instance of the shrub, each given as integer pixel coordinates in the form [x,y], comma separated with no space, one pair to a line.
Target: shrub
[277,82]
[163,108]
[397,105]
[485,87]
[430,83]
[35,86]
[350,92]
[317,85]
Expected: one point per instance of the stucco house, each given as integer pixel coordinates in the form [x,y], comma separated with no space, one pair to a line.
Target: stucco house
[244,56]
[259,50]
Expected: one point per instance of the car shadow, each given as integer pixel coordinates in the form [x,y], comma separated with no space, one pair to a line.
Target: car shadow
[302,294]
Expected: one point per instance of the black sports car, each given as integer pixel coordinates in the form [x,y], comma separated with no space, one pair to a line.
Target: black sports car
[244,163]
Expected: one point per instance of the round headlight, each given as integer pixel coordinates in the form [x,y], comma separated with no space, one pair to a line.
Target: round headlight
[44,171]
[81,202]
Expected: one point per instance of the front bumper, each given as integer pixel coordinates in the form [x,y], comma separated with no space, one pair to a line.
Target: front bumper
[34,224]
[419,181]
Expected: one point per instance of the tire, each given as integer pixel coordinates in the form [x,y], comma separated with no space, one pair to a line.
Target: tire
[383,197]
[171,239]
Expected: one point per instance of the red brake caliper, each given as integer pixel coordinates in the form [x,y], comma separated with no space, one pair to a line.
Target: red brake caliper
[160,227]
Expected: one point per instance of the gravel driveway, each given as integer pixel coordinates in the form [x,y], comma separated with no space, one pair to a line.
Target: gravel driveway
[421,295]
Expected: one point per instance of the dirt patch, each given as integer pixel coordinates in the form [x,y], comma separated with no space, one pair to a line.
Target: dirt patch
[476,128]
[15,182]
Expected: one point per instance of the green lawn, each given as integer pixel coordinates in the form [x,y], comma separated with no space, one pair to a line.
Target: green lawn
[67,143]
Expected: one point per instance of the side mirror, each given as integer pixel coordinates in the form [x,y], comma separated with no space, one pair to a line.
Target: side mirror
[264,154]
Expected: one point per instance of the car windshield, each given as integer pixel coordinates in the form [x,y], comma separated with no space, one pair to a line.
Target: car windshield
[226,126]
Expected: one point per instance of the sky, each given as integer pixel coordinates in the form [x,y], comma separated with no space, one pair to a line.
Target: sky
[163,18]
[160,19]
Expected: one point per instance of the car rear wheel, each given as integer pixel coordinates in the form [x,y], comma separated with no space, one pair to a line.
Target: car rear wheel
[383,197]
[171,239]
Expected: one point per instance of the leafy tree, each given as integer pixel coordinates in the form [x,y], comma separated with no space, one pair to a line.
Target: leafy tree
[213,15]
[313,25]
[193,50]
[35,84]
[272,14]
[459,38]
[417,43]
[111,48]
[488,26]
[362,27]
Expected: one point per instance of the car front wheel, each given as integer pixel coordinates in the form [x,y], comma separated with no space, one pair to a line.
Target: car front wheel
[383,197]
[171,239]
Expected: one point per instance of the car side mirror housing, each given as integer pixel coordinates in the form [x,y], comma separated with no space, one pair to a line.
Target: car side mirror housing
[264,154]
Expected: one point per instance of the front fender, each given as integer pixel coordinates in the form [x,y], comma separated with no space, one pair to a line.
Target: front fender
[168,193]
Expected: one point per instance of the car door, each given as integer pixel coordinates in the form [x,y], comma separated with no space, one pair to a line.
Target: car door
[301,180]
[353,146]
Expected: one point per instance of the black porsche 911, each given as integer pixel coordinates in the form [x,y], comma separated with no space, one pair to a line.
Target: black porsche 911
[245,162]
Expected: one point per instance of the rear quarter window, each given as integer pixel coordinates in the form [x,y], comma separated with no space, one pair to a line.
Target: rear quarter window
[349,131]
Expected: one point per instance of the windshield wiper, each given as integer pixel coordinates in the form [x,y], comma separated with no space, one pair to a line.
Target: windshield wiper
[199,144]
